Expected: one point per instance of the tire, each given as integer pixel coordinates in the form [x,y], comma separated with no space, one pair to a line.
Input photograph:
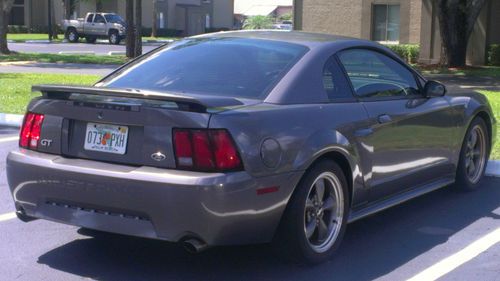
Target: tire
[91,39]
[72,35]
[114,37]
[474,156]
[291,240]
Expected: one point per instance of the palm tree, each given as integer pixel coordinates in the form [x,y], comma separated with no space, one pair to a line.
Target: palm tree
[129,18]
[138,28]
[258,22]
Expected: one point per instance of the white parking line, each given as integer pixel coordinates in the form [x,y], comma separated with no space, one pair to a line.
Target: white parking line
[8,216]
[7,139]
[450,263]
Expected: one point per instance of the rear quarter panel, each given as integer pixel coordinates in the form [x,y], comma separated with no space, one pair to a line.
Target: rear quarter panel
[303,133]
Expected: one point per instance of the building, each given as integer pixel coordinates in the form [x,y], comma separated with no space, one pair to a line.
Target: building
[190,17]
[395,21]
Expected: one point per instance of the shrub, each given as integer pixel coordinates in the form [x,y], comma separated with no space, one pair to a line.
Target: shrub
[494,54]
[408,52]
[162,32]
[215,29]
[258,22]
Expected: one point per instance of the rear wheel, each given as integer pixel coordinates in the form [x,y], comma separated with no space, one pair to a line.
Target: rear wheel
[315,220]
[114,37]
[473,156]
[72,35]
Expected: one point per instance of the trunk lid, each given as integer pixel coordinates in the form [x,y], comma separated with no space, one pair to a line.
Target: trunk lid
[74,116]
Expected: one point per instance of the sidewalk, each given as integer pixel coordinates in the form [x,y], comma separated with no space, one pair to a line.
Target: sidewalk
[457,82]
[58,68]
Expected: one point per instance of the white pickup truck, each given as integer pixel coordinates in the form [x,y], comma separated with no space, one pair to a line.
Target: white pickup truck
[95,25]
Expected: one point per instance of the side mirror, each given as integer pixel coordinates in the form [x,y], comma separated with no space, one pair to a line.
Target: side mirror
[434,89]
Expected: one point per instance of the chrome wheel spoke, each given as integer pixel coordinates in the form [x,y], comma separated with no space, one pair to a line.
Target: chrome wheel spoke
[309,204]
[472,168]
[322,230]
[310,228]
[473,139]
[328,204]
[320,190]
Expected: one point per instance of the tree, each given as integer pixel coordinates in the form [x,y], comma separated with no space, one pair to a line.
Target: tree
[98,5]
[258,22]
[5,7]
[138,28]
[68,6]
[129,18]
[154,28]
[456,23]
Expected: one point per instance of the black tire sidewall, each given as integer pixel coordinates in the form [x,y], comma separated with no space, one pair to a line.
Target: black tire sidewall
[462,181]
[291,240]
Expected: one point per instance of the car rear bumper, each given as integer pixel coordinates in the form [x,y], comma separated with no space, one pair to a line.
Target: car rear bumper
[171,205]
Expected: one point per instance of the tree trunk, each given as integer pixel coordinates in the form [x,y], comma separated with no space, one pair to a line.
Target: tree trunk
[98,6]
[138,28]
[155,19]
[5,7]
[456,22]
[67,9]
[54,23]
[129,17]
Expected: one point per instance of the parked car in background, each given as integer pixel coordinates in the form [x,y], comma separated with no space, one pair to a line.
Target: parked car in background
[247,137]
[284,25]
[96,25]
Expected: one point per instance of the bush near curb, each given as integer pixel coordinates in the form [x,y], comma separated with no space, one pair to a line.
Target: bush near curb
[494,55]
[408,52]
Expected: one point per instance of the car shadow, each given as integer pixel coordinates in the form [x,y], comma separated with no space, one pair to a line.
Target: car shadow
[372,247]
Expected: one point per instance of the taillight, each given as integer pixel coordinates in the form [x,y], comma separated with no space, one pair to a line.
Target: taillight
[205,150]
[31,130]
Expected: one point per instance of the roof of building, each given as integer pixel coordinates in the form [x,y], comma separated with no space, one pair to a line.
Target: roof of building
[263,7]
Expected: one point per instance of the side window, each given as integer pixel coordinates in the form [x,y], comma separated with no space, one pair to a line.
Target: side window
[334,82]
[90,18]
[99,19]
[373,74]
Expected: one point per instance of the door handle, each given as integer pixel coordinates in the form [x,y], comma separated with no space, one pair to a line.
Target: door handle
[384,118]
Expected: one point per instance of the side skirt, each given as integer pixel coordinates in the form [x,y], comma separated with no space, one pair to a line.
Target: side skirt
[399,198]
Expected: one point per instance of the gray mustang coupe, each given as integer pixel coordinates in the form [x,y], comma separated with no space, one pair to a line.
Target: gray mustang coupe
[246,137]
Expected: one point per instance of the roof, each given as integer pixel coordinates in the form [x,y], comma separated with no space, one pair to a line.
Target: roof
[244,7]
[298,37]
[260,10]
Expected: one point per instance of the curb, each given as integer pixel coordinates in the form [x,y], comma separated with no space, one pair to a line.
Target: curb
[11,120]
[76,53]
[493,168]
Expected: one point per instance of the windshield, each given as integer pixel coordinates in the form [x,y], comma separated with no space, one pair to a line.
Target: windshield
[112,18]
[236,67]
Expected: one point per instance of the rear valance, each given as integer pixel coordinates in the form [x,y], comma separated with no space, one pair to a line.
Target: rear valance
[196,103]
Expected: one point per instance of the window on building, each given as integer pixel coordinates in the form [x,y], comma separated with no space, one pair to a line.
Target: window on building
[17,13]
[385,23]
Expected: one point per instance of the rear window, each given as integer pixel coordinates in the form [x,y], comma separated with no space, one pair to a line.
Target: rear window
[236,67]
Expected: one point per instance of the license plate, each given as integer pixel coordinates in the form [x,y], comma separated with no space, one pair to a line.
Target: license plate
[106,138]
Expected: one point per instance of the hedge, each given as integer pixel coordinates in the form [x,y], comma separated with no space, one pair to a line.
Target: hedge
[408,52]
[494,55]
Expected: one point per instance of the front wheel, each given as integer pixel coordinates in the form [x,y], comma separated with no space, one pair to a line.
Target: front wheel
[114,37]
[473,156]
[316,217]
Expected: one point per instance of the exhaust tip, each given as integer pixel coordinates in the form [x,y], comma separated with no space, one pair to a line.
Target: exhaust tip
[194,245]
[22,216]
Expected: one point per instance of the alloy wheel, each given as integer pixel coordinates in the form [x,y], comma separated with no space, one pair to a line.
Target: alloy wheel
[475,155]
[323,212]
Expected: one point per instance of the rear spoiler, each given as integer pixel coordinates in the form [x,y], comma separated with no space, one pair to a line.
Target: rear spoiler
[194,103]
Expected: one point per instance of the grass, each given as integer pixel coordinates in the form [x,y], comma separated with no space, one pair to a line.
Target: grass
[56,58]
[494,98]
[490,71]
[22,37]
[16,87]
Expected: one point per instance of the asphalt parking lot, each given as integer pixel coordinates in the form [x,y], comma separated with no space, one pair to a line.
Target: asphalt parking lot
[445,233]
